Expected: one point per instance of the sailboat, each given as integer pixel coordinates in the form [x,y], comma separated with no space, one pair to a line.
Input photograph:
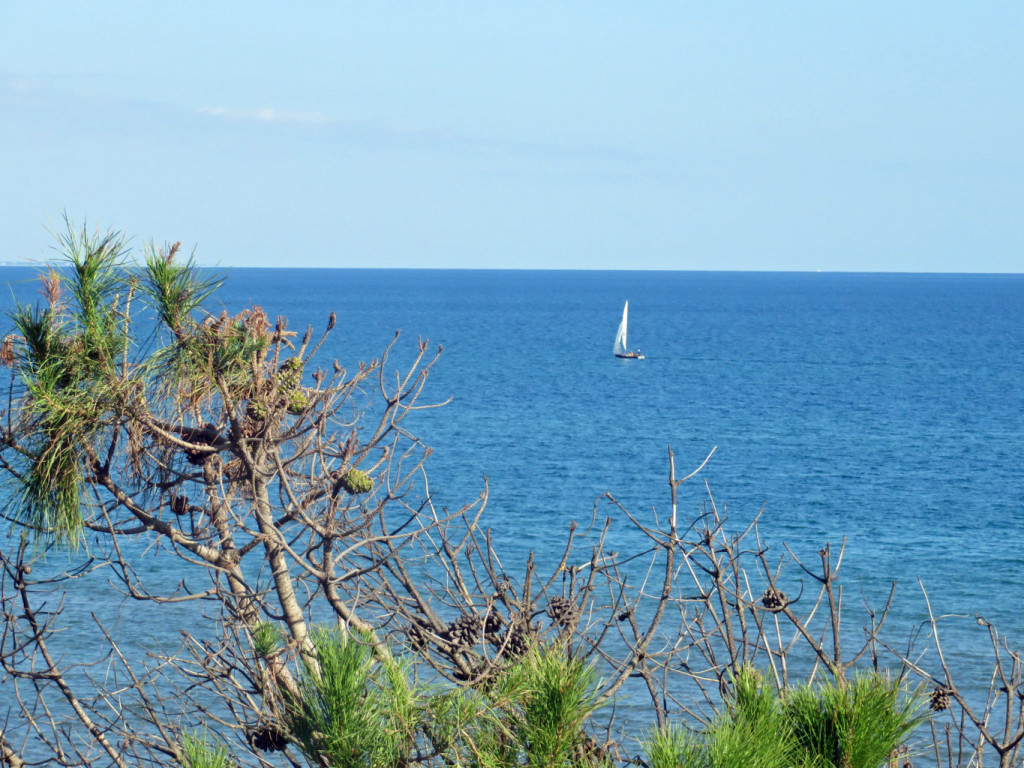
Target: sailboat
[621,350]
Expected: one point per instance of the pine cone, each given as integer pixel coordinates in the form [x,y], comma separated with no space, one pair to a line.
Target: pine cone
[493,622]
[266,738]
[417,637]
[298,402]
[773,599]
[562,611]
[941,698]
[289,375]
[256,410]
[356,481]
[517,641]
[205,436]
[199,458]
[465,631]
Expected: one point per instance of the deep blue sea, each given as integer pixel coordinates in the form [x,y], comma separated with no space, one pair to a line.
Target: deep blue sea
[886,409]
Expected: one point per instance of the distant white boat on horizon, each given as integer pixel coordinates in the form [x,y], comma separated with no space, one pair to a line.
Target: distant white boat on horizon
[621,348]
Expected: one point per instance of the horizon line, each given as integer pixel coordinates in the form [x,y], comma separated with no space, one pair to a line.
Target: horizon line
[26,263]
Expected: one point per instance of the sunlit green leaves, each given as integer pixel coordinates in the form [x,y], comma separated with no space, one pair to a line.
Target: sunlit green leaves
[351,712]
[201,750]
[857,723]
[176,289]
[83,360]
[267,639]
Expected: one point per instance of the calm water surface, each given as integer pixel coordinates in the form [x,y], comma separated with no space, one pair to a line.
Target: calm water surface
[886,409]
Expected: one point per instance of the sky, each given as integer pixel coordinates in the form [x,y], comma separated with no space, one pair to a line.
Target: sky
[672,135]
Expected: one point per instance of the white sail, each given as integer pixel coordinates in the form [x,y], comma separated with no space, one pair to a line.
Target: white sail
[620,337]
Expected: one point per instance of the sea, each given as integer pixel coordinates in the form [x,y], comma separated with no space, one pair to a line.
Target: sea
[886,410]
[883,413]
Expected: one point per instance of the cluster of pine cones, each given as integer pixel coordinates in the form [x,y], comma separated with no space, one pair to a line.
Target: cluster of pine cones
[289,384]
[466,631]
[290,395]
[469,629]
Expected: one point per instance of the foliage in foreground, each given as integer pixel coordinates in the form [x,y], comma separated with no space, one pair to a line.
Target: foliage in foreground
[199,750]
[356,710]
[858,725]
[286,494]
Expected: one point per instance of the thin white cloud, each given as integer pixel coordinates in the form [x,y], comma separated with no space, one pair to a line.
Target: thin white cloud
[23,85]
[266,115]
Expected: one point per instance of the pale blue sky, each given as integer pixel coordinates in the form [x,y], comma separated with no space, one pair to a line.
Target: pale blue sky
[608,135]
